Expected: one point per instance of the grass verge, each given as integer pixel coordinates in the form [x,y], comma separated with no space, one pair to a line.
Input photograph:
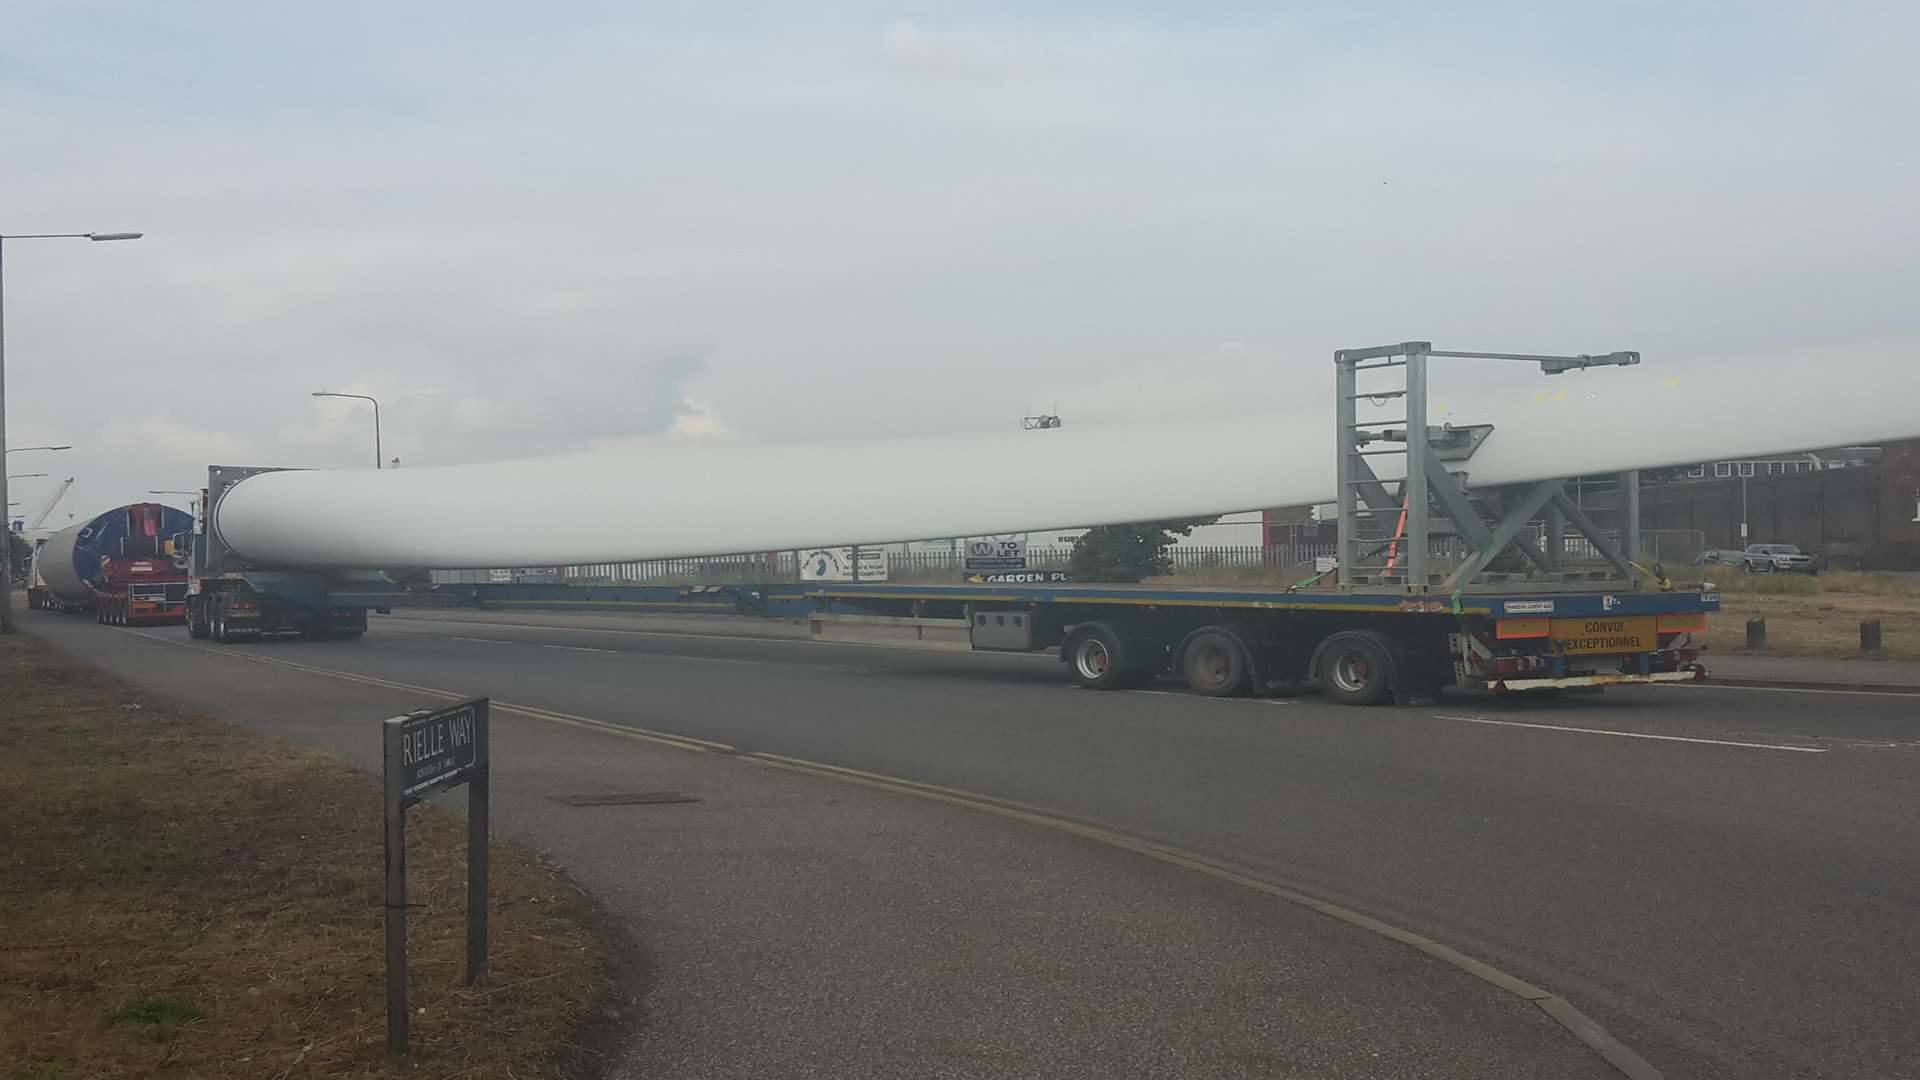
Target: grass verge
[1816,616]
[181,897]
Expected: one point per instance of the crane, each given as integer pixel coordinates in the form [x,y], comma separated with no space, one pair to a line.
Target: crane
[47,510]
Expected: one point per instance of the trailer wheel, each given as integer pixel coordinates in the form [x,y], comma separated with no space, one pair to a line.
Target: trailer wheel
[219,618]
[1097,656]
[1215,663]
[197,621]
[1356,667]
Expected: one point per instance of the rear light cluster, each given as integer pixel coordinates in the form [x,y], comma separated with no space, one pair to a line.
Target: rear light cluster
[1515,665]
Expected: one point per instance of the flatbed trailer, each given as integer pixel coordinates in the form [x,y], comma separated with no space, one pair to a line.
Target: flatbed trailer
[1359,648]
[1435,583]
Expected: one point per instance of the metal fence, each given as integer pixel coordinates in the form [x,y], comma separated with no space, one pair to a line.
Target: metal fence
[1674,547]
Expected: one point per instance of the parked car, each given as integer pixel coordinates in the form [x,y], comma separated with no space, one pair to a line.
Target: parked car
[1776,558]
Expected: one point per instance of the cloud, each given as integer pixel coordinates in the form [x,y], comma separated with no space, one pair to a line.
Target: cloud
[644,222]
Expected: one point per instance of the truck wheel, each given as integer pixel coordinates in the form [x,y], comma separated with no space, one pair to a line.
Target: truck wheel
[1215,663]
[219,629]
[1098,657]
[1356,667]
[197,621]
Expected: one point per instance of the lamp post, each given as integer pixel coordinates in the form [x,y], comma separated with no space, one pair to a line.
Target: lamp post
[24,449]
[376,419]
[6,562]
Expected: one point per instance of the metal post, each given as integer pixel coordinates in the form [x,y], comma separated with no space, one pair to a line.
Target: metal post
[478,790]
[1743,509]
[396,907]
[1556,537]
[1630,520]
[6,519]
[376,433]
[854,551]
[1417,495]
[1346,545]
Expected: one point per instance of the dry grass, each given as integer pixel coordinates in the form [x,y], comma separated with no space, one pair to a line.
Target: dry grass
[184,898]
[1817,616]
[1825,624]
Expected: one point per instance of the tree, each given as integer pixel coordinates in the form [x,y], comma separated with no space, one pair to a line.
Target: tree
[20,554]
[1128,552]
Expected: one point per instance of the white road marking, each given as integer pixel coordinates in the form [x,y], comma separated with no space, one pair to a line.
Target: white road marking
[1915,692]
[483,640]
[1632,734]
[578,648]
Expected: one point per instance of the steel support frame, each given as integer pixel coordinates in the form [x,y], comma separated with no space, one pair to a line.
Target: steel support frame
[1428,482]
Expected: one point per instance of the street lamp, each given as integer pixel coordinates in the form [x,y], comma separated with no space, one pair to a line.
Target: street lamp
[25,475]
[24,449]
[376,419]
[6,561]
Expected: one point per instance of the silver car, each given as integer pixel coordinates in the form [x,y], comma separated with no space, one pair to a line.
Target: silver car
[1776,558]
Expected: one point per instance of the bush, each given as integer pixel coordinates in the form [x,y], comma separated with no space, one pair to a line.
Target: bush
[1782,584]
[1127,553]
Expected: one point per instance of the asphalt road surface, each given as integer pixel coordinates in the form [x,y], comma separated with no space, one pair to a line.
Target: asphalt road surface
[1725,879]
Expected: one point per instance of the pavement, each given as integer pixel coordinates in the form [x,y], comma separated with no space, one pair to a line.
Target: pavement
[1744,669]
[791,925]
[1720,877]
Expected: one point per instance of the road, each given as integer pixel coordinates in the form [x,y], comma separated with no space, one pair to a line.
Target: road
[1723,878]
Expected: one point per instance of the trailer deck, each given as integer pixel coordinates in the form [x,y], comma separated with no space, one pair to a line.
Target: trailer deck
[1361,647]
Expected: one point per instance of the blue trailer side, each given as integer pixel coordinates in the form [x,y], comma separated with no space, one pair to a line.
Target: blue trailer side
[1360,647]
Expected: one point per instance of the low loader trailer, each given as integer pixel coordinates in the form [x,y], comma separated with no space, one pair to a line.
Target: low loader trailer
[1436,582]
[1360,649]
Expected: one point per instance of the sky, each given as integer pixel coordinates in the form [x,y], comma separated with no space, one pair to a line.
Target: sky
[529,229]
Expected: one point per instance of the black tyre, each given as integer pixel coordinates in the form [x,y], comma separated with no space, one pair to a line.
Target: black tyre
[197,621]
[219,620]
[1097,658]
[1356,667]
[1215,663]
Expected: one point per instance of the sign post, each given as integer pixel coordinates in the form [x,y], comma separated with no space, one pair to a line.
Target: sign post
[425,751]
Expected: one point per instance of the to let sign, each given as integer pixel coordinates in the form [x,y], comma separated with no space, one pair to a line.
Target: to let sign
[439,749]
